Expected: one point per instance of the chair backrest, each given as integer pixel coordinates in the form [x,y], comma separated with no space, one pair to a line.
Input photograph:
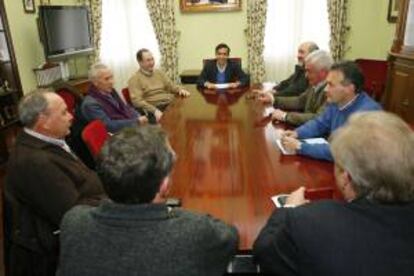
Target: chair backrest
[70,99]
[233,59]
[94,135]
[375,73]
[126,95]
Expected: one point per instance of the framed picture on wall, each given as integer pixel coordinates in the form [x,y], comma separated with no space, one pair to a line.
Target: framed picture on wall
[29,6]
[210,5]
[393,8]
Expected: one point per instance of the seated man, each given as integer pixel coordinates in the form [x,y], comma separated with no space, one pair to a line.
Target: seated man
[312,101]
[44,180]
[344,97]
[136,232]
[104,103]
[297,83]
[371,232]
[222,70]
[150,89]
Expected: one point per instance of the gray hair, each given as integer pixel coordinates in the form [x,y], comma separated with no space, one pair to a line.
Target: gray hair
[32,105]
[133,163]
[95,69]
[320,59]
[377,149]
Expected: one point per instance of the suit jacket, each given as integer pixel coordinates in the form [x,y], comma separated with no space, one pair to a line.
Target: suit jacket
[338,238]
[43,182]
[110,109]
[309,104]
[233,72]
[294,85]
[143,239]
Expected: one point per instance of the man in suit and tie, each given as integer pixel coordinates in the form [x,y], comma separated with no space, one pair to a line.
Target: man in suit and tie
[44,180]
[371,232]
[296,83]
[309,104]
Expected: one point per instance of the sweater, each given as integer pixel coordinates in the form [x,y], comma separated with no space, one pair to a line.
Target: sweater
[143,239]
[150,90]
[332,118]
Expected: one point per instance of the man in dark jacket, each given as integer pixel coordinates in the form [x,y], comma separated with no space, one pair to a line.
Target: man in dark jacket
[371,232]
[44,180]
[297,83]
[136,233]
[103,102]
[222,71]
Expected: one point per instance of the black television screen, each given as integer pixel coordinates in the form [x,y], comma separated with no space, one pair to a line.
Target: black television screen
[65,30]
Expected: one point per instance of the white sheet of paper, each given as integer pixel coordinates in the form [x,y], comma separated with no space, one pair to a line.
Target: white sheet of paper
[222,85]
[268,110]
[276,134]
[275,201]
[282,149]
[315,141]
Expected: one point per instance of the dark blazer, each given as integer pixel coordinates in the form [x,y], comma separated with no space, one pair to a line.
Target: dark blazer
[144,239]
[43,182]
[233,73]
[295,85]
[338,238]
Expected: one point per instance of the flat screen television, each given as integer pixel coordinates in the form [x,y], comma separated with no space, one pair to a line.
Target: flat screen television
[65,31]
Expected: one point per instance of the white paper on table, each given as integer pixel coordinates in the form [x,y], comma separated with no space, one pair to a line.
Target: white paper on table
[276,201]
[282,149]
[268,111]
[277,136]
[222,85]
[315,141]
[268,85]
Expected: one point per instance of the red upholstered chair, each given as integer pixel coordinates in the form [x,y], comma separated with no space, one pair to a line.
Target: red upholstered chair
[94,136]
[375,73]
[127,96]
[71,98]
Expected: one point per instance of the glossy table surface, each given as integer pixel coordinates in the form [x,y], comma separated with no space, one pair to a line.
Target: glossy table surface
[228,163]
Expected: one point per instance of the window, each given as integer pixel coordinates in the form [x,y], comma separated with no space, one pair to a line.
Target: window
[126,27]
[290,22]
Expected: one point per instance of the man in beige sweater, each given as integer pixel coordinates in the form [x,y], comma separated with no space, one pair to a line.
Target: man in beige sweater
[150,89]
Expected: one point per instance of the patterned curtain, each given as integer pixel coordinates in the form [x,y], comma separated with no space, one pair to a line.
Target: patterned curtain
[95,6]
[337,10]
[163,19]
[256,22]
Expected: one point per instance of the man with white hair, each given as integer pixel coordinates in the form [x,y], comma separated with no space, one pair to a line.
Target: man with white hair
[371,232]
[309,104]
[104,103]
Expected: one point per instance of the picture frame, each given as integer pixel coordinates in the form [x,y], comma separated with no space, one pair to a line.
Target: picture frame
[188,6]
[393,9]
[29,6]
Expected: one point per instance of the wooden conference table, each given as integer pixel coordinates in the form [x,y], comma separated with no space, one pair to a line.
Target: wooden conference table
[228,164]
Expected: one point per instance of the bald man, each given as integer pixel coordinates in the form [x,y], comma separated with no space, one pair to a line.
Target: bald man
[297,83]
